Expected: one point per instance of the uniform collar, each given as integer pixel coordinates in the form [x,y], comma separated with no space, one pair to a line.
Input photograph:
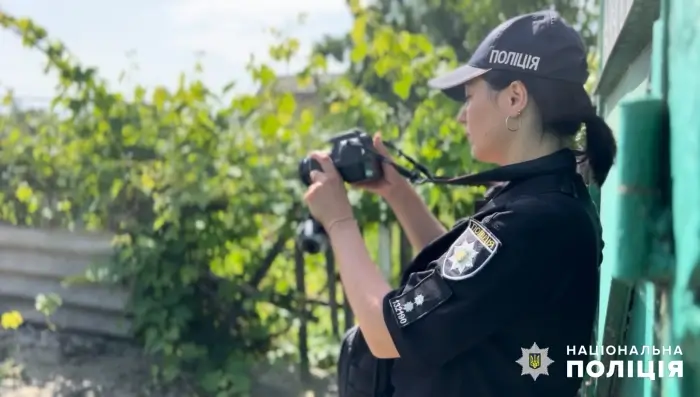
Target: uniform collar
[562,161]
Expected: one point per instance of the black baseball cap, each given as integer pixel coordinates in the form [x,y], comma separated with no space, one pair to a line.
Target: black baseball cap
[541,43]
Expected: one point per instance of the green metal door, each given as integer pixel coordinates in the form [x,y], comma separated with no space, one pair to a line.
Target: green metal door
[684,105]
[649,92]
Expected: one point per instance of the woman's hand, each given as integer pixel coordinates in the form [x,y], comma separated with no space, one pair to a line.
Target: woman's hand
[419,224]
[392,180]
[327,198]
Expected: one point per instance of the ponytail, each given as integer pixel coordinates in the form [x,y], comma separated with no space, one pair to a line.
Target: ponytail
[563,106]
[600,147]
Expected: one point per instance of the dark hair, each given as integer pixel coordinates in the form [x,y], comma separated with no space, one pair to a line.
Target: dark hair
[563,107]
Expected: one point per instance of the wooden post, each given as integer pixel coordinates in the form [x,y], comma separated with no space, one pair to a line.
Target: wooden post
[300,273]
[332,291]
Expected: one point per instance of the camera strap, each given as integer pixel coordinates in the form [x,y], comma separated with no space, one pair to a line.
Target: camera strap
[510,172]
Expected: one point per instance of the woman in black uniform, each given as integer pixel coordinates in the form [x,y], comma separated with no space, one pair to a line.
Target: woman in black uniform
[489,307]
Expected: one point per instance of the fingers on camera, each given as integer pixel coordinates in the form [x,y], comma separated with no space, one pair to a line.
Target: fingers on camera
[317,176]
[324,160]
[379,144]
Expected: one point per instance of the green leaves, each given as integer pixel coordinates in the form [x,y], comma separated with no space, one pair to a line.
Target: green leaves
[263,74]
[194,190]
[199,189]
[269,125]
[358,36]
[402,87]
[286,106]
[24,192]
[47,304]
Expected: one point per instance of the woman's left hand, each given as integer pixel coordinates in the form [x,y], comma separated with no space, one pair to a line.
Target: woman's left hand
[327,197]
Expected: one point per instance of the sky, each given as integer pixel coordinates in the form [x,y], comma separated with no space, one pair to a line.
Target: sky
[162,38]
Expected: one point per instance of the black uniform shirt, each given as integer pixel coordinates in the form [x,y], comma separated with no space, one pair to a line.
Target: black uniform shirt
[522,271]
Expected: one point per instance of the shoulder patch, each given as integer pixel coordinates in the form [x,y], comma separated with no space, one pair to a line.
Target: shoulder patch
[470,252]
[415,303]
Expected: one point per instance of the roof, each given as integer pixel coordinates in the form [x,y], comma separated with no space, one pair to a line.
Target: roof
[290,83]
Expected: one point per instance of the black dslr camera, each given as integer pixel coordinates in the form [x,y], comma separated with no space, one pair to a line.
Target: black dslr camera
[354,157]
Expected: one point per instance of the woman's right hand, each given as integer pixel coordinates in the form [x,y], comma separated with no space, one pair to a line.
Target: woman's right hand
[419,224]
[392,180]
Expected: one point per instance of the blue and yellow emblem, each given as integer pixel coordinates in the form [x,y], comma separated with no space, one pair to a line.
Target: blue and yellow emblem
[535,361]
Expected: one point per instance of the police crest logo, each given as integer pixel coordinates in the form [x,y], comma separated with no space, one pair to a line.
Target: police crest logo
[535,361]
[470,252]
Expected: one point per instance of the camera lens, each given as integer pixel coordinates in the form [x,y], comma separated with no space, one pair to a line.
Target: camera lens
[306,165]
[311,237]
[311,246]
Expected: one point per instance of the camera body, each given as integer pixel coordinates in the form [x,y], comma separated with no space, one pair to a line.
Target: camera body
[351,156]
[356,162]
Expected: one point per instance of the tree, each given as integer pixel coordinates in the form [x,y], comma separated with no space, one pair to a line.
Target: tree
[203,200]
[203,196]
[461,24]
[390,49]
[456,24]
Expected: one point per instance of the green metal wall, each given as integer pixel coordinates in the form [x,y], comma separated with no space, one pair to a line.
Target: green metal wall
[634,84]
[615,289]
[684,104]
[649,93]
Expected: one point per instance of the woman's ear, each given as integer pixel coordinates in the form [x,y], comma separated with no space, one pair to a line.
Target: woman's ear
[517,98]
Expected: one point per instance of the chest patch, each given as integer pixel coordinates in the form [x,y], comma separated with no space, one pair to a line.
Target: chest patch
[470,252]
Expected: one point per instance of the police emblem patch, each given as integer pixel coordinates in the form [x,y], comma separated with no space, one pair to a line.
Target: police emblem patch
[470,252]
[535,361]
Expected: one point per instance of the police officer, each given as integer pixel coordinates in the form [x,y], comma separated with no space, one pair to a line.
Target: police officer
[489,307]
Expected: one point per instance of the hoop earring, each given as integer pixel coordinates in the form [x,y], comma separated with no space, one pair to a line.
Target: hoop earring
[508,123]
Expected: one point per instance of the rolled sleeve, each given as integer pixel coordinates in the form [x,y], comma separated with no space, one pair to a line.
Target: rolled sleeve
[442,312]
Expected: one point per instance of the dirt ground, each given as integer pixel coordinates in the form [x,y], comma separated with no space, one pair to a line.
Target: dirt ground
[36,362]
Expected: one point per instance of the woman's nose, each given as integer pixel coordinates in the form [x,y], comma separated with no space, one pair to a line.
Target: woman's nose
[462,115]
